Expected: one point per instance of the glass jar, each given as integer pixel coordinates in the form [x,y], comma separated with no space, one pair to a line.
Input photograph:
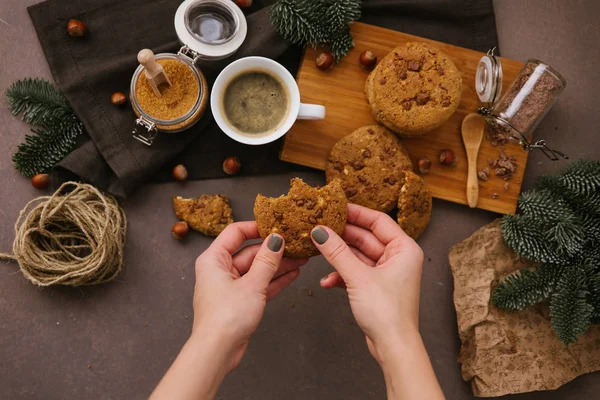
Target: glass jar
[209,30]
[529,97]
[148,124]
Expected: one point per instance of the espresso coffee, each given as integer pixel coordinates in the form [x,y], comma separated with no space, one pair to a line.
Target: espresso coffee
[255,102]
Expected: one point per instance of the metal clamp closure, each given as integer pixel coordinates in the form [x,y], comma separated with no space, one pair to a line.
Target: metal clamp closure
[553,155]
[190,54]
[145,131]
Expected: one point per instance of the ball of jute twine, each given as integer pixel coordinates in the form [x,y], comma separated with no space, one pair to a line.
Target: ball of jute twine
[74,237]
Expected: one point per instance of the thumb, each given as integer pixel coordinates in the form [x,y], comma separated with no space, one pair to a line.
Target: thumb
[266,262]
[336,251]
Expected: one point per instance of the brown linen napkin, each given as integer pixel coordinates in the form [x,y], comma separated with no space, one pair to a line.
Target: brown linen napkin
[509,352]
[88,70]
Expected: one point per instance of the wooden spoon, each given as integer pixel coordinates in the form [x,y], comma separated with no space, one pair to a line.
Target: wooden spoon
[154,72]
[472,134]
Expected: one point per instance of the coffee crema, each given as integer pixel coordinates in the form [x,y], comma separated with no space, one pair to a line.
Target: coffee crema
[255,102]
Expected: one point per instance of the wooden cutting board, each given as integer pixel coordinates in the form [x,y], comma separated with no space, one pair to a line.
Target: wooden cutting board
[341,91]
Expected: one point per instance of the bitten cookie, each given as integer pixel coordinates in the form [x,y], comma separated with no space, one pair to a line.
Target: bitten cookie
[414,205]
[208,214]
[369,162]
[295,215]
[414,89]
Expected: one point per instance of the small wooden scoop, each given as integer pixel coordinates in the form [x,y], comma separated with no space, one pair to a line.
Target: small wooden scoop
[472,134]
[155,73]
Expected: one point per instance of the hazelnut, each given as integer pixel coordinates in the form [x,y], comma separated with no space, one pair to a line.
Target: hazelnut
[368,60]
[423,164]
[76,28]
[180,230]
[40,181]
[232,165]
[118,99]
[180,173]
[243,3]
[325,61]
[447,157]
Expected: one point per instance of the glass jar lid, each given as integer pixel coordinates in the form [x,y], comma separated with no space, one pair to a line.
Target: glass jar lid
[488,78]
[210,29]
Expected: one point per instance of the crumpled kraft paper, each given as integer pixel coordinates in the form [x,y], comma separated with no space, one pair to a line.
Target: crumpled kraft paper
[509,352]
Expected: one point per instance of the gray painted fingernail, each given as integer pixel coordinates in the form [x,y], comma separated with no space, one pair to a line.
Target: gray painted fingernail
[275,242]
[320,235]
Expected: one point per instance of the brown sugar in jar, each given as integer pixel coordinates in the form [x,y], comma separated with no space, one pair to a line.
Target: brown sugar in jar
[175,100]
[180,105]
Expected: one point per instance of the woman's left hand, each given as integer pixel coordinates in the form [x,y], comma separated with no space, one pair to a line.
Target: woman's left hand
[233,287]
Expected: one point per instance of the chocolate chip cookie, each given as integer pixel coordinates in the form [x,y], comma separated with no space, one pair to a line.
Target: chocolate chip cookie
[414,205]
[295,215]
[369,162]
[208,214]
[414,89]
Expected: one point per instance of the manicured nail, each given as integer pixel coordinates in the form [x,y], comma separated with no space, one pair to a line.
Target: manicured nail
[275,242]
[323,279]
[320,235]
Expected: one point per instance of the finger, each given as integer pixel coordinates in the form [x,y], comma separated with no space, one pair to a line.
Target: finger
[243,259]
[280,283]
[382,225]
[267,261]
[334,279]
[234,236]
[336,251]
[363,240]
[362,257]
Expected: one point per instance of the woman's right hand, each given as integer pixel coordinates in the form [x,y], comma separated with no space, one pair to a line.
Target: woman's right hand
[380,266]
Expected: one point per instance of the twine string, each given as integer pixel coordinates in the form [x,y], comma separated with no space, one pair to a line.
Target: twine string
[74,237]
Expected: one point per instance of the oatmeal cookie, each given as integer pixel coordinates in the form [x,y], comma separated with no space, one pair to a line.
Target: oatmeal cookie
[293,216]
[369,162]
[208,214]
[414,205]
[414,89]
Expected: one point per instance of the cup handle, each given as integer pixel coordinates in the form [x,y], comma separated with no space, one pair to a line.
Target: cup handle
[311,111]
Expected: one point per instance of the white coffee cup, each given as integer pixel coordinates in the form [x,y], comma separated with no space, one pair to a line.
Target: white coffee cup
[296,110]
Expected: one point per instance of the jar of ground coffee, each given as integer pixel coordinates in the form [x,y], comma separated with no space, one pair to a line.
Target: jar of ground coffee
[529,97]
[209,30]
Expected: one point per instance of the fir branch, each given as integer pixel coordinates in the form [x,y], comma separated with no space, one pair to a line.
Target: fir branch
[44,106]
[39,101]
[544,206]
[526,287]
[42,151]
[559,225]
[527,238]
[568,237]
[317,22]
[570,313]
[591,225]
[342,43]
[343,12]
[581,177]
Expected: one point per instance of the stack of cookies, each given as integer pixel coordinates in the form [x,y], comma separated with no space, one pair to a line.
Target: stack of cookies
[375,172]
[414,89]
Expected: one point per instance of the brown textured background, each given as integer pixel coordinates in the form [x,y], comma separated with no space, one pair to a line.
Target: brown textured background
[130,330]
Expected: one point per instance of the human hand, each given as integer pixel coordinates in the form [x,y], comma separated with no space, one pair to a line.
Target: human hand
[380,266]
[232,288]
